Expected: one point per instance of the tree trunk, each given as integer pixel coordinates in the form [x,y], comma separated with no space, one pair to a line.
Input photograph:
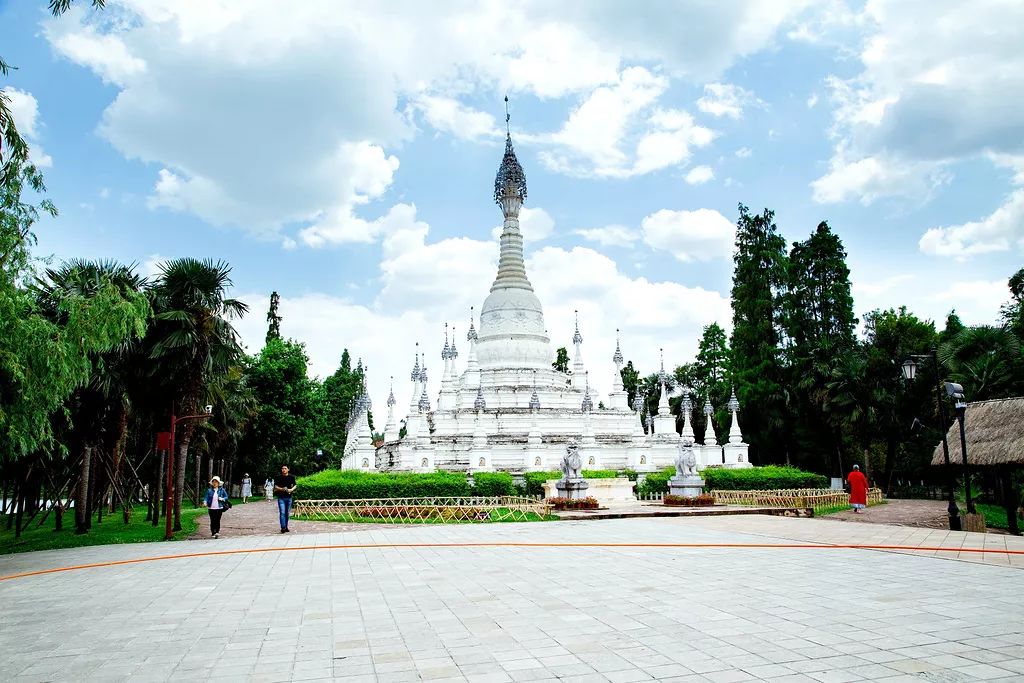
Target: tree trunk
[82,502]
[199,476]
[209,468]
[179,476]
[158,488]
[867,464]
[1011,500]
[21,510]
[117,456]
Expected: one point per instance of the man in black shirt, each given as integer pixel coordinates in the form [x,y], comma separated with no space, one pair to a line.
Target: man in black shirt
[284,484]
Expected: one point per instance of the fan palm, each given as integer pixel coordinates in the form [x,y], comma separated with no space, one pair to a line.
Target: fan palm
[192,340]
[982,359]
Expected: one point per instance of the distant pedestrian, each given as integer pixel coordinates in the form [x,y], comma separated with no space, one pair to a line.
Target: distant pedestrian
[246,488]
[268,488]
[215,502]
[858,489]
[284,485]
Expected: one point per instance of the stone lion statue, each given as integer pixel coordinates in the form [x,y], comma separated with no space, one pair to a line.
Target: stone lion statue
[686,462]
[572,464]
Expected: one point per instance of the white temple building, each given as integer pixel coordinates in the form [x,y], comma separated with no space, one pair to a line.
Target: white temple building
[506,408]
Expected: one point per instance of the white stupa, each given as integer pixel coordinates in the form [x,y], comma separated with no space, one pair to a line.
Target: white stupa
[507,408]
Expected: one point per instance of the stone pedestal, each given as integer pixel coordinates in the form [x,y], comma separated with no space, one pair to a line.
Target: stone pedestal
[607,492]
[573,489]
[687,487]
[736,455]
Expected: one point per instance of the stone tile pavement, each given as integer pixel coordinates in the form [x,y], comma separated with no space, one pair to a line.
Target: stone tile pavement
[482,613]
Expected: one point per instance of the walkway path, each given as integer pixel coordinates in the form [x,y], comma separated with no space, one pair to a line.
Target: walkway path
[929,514]
[414,609]
[259,517]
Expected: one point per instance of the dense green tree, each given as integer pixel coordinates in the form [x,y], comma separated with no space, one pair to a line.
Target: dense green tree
[273,318]
[759,276]
[338,393]
[100,421]
[282,427]
[954,326]
[983,359]
[711,377]
[561,360]
[819,322]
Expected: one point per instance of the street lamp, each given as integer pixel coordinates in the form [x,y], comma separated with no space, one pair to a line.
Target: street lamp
[956,394]
[169,489]
[909,373]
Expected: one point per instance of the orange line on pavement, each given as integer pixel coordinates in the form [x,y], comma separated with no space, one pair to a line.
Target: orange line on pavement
[358,546]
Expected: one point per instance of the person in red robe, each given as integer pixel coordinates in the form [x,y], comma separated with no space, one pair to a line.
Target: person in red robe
[858,489]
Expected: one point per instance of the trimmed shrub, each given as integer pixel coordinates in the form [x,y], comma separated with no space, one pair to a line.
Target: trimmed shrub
[766,478]
[588,503]
[703,500]
[493,484]
[656,482]
[353,484]
[535,480]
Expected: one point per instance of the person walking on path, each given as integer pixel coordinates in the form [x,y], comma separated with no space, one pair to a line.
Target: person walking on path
[284,485]
[246,488]
[858,489]
[215,502]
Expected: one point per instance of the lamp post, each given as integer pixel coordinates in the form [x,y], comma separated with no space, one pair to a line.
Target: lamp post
[169,489]
[956,394]
[910,372]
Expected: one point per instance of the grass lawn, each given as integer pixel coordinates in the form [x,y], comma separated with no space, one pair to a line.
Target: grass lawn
[112,530]
[995,515]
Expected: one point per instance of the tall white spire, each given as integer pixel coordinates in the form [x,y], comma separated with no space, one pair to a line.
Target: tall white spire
[710,439]
[618,399]
[577,362]
[391,427]
[414,402]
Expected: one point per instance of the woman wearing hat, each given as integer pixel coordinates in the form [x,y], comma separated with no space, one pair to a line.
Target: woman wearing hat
[246,488]
[216,501]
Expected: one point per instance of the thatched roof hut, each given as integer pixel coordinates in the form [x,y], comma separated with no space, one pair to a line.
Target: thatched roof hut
[995,434]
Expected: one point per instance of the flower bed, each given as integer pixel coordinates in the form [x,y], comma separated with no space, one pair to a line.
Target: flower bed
[588,503]
[703,500]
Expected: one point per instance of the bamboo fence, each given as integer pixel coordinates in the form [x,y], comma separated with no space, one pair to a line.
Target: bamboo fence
[418,510]
[816,499]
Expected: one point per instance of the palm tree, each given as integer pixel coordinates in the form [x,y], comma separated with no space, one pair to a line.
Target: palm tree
[982,359]
[192,341]
[99,410]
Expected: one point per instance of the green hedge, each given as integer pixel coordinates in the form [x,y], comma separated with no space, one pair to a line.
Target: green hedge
[493,484]
[354,484]
[764,478]
[535,480]
[656,482]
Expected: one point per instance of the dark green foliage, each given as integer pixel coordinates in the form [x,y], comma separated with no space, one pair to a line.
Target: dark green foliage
[561,360]
[766,478]
[711,379]
[273,318]
[493,484]
[630,382]
[349,484]
[281,431]
[759,275]
[656,482]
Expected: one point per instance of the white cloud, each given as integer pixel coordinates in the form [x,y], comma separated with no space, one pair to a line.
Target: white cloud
[1001,230]
[451,116]
[535,224]
[744,152]
[812,100]
[617,132]
[926,97]
[700,235]
[699,175]
[25,112]
[245,106]
[726,99]
[151,266]
[104,192]
[610,235]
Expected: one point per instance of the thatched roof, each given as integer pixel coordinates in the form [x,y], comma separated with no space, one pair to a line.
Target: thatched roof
[995,434]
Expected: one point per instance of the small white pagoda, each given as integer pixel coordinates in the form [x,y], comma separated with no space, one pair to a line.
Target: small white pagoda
[507,408]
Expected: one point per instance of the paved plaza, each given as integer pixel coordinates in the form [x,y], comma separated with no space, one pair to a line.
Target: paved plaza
[420,611]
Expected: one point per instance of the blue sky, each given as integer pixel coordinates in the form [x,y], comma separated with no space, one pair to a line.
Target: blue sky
[346,158]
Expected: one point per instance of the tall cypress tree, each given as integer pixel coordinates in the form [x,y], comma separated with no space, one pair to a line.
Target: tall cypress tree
[273,319]
[757,285]
[711,376]
[819,323]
